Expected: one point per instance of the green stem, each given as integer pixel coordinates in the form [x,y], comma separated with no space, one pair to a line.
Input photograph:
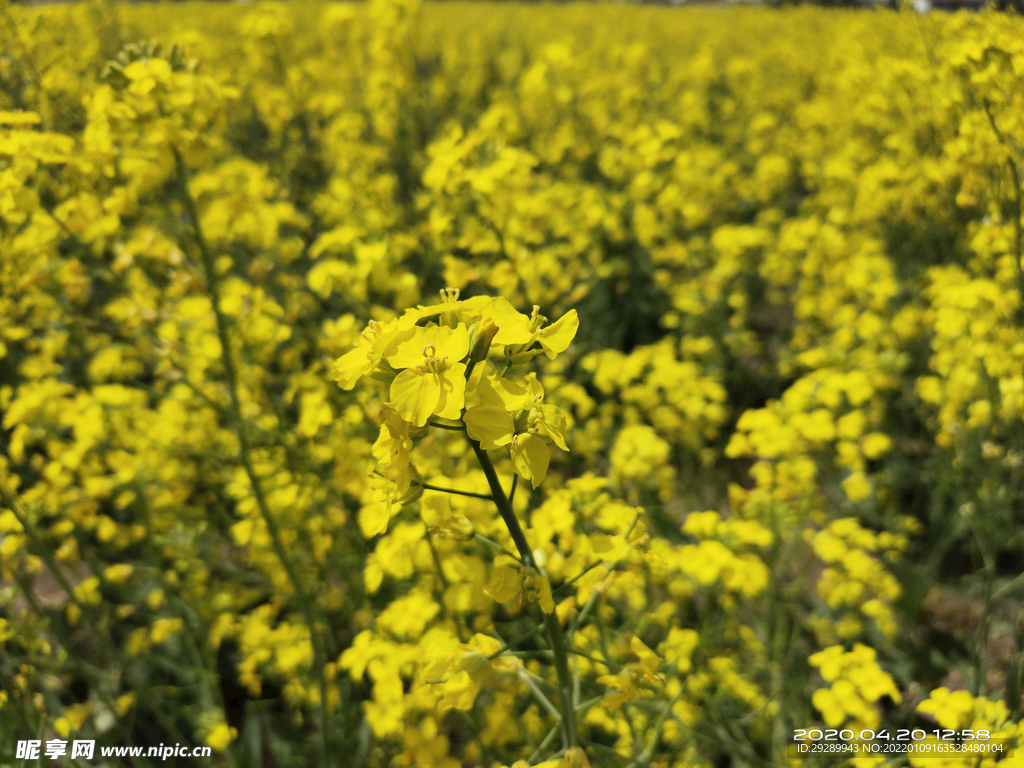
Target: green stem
[544,701]
[1018,233]
[501,501]
[594,594]
[495,546]
[576,578]
[44,552]
[544,744]
[588,657]
[514,643]
[1007,590]
[554,626]
[456,492]
[584,706]
[652,742]
[980,683]
[244,449]
[437,564]
[446,426]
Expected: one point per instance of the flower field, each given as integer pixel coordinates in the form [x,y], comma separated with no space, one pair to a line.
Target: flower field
[456,385]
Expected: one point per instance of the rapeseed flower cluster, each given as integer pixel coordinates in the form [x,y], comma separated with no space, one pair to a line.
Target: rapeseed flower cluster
[857,683]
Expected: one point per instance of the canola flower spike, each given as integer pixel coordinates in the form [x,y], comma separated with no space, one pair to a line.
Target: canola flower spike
[427,367]
[430,378]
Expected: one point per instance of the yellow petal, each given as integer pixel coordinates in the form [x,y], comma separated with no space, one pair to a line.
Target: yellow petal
[492,390]
[352,366]
[373,576]
[491,425]
[435,510]
[615,700]
[646,654]
[545,598]
[374,518]
[453,342]
[575,757]
[453,392]
[530,457]
[505,584]
[559,335]
[513,326]
[118,574]
[551,422]
[461,690]
[611,548]
[415,395]
[241,532]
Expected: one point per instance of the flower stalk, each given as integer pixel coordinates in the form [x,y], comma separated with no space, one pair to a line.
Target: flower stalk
[554,627]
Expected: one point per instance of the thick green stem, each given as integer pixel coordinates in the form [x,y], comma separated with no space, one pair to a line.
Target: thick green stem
[554,626]
[501,501]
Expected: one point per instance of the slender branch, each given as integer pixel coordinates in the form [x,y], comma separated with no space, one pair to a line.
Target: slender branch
[980,687]
[545,702]
[44,552]
[243,443]
[515,484]
[589,658]
[1007,590]
[516,642]
[544,744]
[584,706]
[577,577]
[594,594]
[652,742]
[544,654]
[501,501]
[1018,234]
[457,492]
[446,426]
[437,564]
[45,555]
[496,546]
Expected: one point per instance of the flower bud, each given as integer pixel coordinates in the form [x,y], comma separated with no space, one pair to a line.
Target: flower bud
[575,757]
[483,334]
